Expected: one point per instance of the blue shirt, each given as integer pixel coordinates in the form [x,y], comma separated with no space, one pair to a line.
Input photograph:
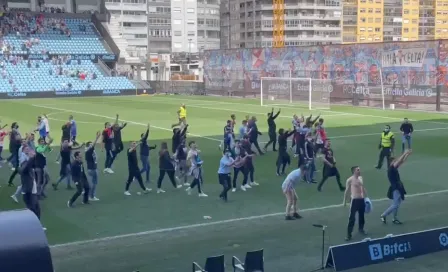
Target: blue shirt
[294,176]
[304,130]
[22,157]
[243,131]
[42,129]
[73,130]
[224,165]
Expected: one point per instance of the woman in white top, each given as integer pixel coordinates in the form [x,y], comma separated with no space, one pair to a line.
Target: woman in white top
[288,188]
[195,169]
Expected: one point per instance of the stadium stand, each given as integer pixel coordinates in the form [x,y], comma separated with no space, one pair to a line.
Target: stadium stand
[56,54]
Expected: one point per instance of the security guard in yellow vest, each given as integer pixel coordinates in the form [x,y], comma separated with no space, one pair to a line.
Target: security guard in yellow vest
[386,146]
[182,114]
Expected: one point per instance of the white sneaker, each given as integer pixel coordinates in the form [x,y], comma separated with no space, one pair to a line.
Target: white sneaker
[57,162]
[127,193]
[94,199]
[233,190]
[14,197]
[69,205]
[148,190]
[179,186]
[105,170]
[247,186]
[188,190]
[13,169]
[202,195]
[110,171]
[44,229]
[254,184]
[160,191]
[243,188]
[186,184]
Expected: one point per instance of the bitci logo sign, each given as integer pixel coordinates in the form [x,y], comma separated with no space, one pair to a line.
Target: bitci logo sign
[378,251]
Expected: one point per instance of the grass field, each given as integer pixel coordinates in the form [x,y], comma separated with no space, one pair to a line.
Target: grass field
[166,232]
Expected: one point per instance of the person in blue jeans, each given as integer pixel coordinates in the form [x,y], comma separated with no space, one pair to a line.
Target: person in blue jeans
[310,156]
[406,129]
[144,154]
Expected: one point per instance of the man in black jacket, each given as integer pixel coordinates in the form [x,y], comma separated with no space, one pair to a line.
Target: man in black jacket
[178,137]
[144,154]
[80,179]
[29,186]
[253,134]
[118,141]
[272,130]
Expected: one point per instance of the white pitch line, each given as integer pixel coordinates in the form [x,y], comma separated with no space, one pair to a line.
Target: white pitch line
[123,120]
[329,111]
[220,222]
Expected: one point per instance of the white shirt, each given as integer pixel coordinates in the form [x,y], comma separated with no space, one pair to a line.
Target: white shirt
[47,124]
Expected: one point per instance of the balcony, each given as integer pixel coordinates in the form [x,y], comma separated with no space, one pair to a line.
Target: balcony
[349,23]
[135,30]
[349,39]
[347,3]
[126,6]
[134,18]
[393,4]
[428,4]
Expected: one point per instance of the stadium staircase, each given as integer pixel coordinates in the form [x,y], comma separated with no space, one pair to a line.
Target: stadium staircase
[113,27]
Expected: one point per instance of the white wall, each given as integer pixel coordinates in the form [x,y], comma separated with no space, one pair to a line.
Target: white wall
[184,29]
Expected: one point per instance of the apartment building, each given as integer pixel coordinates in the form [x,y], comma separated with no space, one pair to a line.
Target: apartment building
[394,20]
[306,22]
[153,22]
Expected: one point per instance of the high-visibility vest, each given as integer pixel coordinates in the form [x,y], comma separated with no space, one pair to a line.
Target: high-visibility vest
[182,112]
[386,139]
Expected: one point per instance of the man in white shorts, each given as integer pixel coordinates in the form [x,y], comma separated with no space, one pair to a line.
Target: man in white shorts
[288,188]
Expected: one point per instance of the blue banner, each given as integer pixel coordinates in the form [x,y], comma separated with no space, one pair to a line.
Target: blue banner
[91,57]
[390,248]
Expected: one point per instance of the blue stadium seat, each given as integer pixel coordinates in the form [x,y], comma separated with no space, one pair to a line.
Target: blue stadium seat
[212,264]
[254,262]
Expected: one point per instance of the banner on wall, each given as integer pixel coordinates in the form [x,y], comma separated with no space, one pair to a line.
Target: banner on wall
[413,57]
[92,57]
[75,93]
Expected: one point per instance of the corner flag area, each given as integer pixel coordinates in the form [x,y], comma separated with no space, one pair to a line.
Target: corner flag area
[166,232]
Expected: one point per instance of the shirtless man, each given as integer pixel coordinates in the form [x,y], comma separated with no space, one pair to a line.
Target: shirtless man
[355,188]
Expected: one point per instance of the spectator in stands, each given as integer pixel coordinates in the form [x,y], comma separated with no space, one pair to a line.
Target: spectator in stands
[50,71]
[29,64]
[94,76]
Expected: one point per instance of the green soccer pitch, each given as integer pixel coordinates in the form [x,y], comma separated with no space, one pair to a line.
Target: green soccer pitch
[166,232]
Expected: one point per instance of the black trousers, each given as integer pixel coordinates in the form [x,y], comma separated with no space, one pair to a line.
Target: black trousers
[224,180]
[257,146]
[248,172]
[109,158]
[236,172]
[385,152]
[358,205]
[170,174]
[32,203]
[283,160]
[330,172]
[15,163]
[135,173]
[81,185]
[272,140]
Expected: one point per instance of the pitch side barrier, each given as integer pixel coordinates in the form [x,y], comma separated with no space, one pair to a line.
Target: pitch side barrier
[74,93]
[23,244]
[389,248]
